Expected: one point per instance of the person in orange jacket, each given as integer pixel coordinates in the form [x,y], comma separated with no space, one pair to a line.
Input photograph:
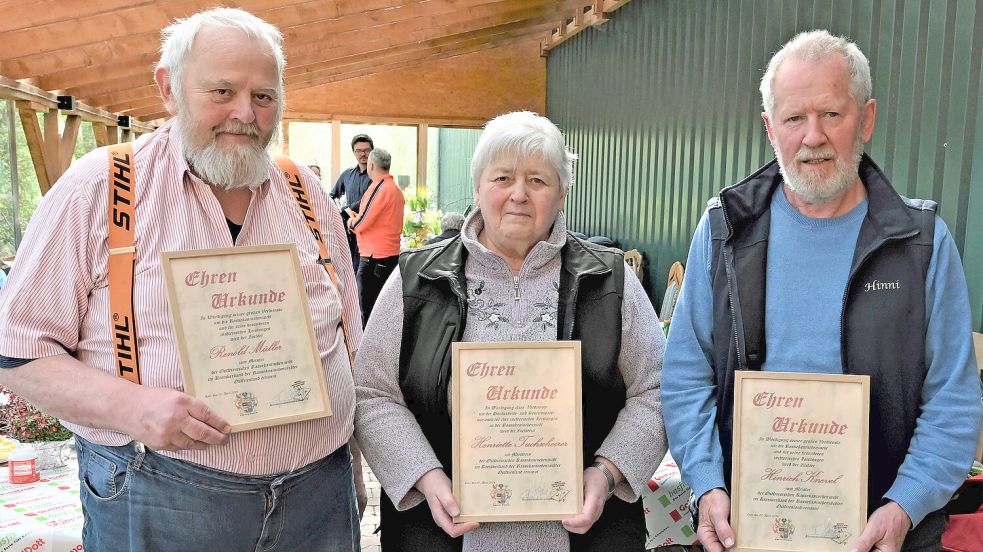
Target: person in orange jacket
[377,225]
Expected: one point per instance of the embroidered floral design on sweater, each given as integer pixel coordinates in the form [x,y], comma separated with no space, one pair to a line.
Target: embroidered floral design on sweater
[490,313]
[547,312]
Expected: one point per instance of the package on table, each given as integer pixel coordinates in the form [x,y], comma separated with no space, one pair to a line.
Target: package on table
[666,505]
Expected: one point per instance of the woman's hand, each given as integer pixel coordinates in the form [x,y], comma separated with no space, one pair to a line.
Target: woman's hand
[436,487]
[595,495]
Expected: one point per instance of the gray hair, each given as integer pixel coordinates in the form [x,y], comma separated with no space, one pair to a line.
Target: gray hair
[521,134]
[381,159]
[178,38]
[819,45]
[452,221]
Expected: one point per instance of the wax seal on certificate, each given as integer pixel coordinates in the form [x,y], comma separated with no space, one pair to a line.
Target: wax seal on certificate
[500,494]
[246,403]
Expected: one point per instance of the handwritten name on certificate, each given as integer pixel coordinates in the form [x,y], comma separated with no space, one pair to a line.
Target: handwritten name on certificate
[517,434]
[243,327]
[799,477]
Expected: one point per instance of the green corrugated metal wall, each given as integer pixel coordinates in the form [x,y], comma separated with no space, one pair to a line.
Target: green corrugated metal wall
[454,187]
[662,105]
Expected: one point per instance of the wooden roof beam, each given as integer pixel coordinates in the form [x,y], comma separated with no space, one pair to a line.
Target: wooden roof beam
[302,48]
[26,15]
[366,42]
[293,17]
[133,100]
[43,101]
[412,56]
[583,19]
[368,68]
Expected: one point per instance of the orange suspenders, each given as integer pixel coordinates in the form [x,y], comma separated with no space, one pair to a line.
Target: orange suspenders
[122,255]
[122,261]
[299,190]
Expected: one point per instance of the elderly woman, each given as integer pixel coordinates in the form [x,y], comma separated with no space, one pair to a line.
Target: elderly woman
[514,274]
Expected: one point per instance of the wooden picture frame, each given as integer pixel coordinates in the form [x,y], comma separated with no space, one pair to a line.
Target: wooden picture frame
[243,327]
[517,431]
[799,472]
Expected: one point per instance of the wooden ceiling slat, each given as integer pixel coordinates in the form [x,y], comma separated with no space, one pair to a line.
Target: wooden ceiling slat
[373,41]
[131,94]
[81,76]
[18,14]
[146,19]
[330,72]
[422,29]
[103,51]
[91,47]
[363,68]
[308,75]
[416,61]
[125,108]
[142,63]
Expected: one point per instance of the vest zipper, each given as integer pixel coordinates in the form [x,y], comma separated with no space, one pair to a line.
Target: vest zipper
[728,270]
[518,314]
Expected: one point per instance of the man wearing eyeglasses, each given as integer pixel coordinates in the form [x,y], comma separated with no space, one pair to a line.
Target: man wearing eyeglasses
[352,183]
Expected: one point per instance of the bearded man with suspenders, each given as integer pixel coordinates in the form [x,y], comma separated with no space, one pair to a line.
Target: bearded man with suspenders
[88,337]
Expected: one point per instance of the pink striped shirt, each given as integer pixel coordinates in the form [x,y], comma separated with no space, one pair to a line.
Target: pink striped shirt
[57,299]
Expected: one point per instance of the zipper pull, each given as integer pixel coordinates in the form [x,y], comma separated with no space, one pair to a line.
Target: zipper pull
[515,282]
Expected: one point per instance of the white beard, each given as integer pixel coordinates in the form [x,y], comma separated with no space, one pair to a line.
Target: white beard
[230,167]
[815,190]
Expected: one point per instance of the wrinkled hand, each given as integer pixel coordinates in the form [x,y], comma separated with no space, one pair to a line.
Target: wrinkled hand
[436,487]
[595,495]
[360,496]
[886,530]
[713,528]
[165,419]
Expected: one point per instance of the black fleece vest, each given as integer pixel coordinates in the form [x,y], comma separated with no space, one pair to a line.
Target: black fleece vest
[882,330]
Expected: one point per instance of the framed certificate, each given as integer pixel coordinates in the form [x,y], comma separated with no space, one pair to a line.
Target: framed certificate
[243,327]
[799,477]
[517,434]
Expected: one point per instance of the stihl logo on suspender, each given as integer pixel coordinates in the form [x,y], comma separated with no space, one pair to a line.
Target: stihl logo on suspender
[122,190]
[292,176]
[297,187]
[123,340]
[121,266]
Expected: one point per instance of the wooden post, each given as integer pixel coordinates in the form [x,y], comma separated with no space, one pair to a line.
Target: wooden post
[104,134]
[285,126]
[335,152]
[68,138]
[35,143]
[14,181]
[126,135]
[421,159]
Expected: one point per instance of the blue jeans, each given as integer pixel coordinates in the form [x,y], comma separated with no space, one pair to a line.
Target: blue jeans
[134,499]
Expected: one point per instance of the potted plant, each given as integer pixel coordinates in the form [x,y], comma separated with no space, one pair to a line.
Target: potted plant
[20,420]
[415,225]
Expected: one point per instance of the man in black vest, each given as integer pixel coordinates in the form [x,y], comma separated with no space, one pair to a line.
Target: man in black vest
[815,264]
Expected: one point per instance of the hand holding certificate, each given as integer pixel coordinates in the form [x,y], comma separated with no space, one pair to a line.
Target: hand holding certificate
[243,326]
